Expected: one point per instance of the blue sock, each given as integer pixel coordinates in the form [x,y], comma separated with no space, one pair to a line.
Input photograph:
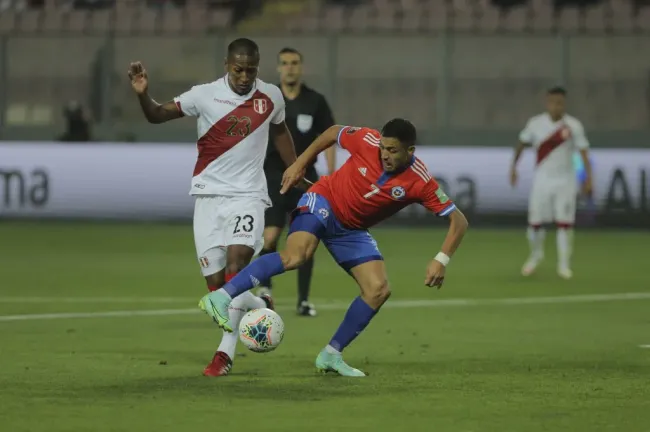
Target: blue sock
[356,319]
[262,269]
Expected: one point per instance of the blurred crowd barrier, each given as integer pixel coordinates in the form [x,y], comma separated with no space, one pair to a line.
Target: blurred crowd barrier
[67,181]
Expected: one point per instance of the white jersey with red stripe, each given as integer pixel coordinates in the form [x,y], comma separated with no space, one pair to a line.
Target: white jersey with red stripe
[555,143]
[233,135]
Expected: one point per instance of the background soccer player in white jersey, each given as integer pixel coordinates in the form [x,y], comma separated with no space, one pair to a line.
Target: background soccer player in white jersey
[234,117]
[555,136]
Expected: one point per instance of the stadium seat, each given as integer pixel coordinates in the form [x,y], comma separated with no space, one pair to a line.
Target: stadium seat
[29,21]
[219,19]
[596,17]
[569,19]
[172,20]
[541,15]
[7,21]
[437,16]
[515,19]
[196,17]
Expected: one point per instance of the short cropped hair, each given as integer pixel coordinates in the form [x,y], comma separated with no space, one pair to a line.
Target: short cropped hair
[289,50]
[243,46]
[556,90]
[401,129]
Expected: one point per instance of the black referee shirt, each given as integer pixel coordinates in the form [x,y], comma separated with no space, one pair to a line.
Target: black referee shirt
[307,116]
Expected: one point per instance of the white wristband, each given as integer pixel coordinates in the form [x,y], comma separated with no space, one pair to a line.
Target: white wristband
[442,258]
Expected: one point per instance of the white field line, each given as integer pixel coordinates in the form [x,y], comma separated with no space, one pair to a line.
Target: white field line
[397,304]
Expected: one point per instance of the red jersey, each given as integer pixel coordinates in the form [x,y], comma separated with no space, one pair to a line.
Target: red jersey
[361,194]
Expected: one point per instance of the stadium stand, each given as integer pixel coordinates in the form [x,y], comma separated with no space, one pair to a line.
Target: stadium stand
[197,16]
[459,64]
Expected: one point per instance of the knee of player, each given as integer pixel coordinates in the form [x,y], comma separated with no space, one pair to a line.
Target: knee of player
[235,267]
[292,259]
[378,292]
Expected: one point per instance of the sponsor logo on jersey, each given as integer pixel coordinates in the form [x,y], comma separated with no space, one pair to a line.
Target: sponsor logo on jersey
[363,171]
[260,106]
[225,101]
[304,122]
[352,130]
[398,192]
[204,262]
[442,196]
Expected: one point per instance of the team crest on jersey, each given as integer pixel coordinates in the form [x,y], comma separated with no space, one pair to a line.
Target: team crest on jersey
[260,106]
[304,122]
[442,196]
[323,212]
[398,192]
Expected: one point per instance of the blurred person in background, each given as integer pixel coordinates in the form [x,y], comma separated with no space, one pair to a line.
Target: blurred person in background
[308,115]
[555,136]
[77,123]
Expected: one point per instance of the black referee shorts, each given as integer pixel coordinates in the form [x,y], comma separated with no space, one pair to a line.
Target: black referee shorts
[282,205]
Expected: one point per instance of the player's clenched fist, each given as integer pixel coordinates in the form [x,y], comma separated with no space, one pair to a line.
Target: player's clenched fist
[435,274]
[292,176]
[138,76]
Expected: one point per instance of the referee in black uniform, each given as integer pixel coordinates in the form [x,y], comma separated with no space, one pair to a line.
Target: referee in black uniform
[307,115]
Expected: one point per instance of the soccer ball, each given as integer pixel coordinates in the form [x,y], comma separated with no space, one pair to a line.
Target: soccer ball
[261,330]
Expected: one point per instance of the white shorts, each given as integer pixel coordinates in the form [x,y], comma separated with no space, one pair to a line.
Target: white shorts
[552,202]
[221,221]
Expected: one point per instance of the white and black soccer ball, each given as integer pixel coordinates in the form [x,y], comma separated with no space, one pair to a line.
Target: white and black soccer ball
[261,330]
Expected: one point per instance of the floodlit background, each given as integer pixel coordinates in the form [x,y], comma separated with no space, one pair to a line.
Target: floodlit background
[99,282]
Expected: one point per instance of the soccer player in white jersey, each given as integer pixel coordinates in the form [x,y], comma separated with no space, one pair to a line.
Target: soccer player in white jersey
[235,115]
[555,136]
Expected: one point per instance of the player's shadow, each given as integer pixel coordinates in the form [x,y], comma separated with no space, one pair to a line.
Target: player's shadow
[304,387]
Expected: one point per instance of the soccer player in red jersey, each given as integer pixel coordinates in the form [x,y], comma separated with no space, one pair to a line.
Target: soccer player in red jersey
[381,177]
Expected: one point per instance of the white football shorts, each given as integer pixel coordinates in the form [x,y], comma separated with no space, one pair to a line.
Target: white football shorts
[221,221]
[553,201]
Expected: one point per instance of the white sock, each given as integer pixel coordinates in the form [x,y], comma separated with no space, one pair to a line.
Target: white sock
[223,291]
[564,246]
[238,308]
[252,301]
[536,242]
[331,350]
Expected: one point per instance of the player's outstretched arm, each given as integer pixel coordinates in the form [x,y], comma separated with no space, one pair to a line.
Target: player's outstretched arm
[153,111]
[295,172]
[457,227]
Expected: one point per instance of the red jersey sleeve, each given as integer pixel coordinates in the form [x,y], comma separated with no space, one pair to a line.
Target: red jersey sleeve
[434,199]
[355,139]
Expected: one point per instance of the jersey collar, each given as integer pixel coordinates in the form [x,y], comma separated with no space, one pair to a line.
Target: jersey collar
[385,176]
[236,95]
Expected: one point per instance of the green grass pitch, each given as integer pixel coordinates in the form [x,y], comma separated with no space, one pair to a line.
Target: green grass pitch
[535,363]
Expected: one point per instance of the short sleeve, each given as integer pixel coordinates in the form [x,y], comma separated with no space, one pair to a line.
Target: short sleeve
[188,102]
[434,199]
[355,139]
[279,115]
[579,136]
[526,135]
